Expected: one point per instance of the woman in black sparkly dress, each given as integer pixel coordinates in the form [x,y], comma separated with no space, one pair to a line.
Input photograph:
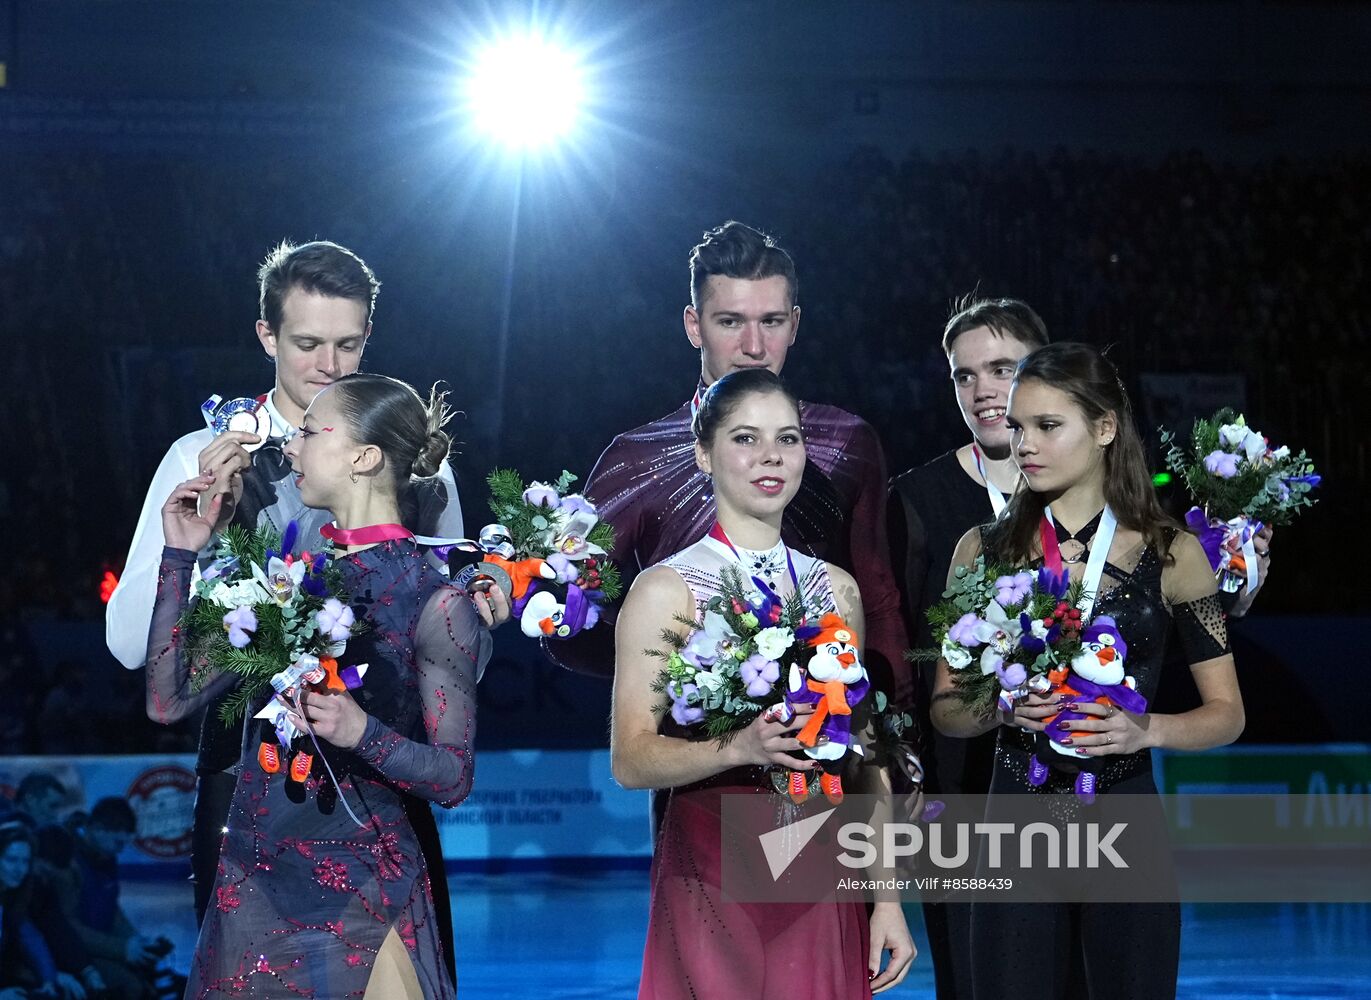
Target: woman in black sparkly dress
[1074,439]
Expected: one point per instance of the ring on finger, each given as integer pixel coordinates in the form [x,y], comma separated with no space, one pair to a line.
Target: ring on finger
[1109,738]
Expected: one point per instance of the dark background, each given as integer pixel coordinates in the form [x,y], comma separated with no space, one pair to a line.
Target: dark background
[1185,181]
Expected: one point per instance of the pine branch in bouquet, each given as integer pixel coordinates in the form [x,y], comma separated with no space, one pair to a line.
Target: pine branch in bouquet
[793,611]
[611,583]
[237,702]
[981,699]
[724,727]
[249,546]
[508,505]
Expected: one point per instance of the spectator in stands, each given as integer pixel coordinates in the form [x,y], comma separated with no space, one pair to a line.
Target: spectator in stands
[39,798]
[39,955]
[89,896]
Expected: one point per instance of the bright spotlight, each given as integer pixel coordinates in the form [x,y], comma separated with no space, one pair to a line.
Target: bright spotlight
[525,92]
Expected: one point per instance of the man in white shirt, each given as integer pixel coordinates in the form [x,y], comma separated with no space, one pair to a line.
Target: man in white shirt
[316,305]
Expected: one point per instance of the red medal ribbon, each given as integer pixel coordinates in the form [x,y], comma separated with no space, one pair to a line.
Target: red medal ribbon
[369,535]
[1052,550]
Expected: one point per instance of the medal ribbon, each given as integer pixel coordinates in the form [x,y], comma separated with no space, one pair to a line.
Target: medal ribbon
[369,535]
[1094,566]
[719,535]
[997,499]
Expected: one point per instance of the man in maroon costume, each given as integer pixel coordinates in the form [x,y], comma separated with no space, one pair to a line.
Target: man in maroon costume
[744,313]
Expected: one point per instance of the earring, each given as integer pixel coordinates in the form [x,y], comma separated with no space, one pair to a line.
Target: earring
[353,476]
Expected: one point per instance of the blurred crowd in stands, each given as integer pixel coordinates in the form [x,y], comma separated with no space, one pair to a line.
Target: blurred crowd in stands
[64,933]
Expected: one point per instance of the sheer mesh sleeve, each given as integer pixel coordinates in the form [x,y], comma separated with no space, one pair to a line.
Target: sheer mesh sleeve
[447,653]
[1190,589]
[169,694]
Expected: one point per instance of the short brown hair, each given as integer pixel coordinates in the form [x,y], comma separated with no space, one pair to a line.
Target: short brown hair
[320,267]
[1004,318]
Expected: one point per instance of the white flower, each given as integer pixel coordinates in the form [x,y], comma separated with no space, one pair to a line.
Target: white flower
[774,641]
[956,656]
[243,594]
[1232,436]
[709,680]
[570,535]
[281,579]
[1039,629]
[335,620]
[1281,453]
[1254,446]
[219,594]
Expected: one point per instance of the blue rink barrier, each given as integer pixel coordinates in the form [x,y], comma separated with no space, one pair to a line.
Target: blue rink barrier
[529,810]
[560,810]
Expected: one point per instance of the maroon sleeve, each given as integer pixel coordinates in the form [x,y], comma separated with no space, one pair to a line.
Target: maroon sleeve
[592,651]
[886,640]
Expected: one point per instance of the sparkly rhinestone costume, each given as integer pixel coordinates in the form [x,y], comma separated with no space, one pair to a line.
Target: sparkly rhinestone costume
[305,898]
[700,944]
[1130,949]
[647,486]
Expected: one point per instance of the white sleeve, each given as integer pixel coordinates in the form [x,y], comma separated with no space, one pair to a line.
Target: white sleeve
[450,523]
[129,612]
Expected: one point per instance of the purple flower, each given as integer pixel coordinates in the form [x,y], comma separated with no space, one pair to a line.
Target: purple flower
[287,541]
[1222,464]
[680,711]
[566,570]
[1036,637]
[1311,480]
[707,644]
[759,674]
[700,652]
[576,504]
[312,583]
[963,632]
[1056,584]
[238,623]
[1013,589]
[540,495]
[1011,675]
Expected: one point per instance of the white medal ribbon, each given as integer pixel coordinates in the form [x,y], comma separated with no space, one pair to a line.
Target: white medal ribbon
[1099,555]
[998,501]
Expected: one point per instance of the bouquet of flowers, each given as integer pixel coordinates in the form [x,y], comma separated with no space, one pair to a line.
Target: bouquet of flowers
[1239,482]
[275,619]
[758,653]
[546,551]
[1006,633]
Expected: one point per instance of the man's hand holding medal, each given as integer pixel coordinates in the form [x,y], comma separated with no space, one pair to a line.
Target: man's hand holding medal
[240,427]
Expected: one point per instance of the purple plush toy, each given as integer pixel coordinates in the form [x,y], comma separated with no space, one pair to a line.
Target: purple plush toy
[1096,674]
